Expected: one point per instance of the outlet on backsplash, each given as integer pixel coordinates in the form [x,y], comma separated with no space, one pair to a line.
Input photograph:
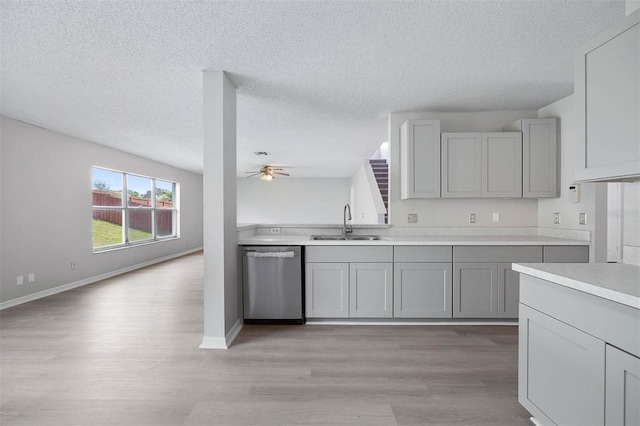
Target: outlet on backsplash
[556,218]
[412,218]
[472,218]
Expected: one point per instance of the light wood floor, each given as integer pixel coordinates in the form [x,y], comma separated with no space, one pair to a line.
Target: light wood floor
[124,351]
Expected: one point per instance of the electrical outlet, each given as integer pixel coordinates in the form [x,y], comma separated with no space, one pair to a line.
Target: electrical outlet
[472,218]
[556,218]
[275,230]
[74,266]
[31,277]
[582,218]
[412,218]
[496,217]
[20,280]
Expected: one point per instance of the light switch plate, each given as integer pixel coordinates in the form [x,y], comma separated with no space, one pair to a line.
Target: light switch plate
[582,218]
[556,218]
[412,218]
[31,277]
[496,217]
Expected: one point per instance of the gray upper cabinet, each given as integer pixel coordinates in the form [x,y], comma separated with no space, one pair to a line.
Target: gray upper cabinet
[420,159]
[622,388]
[607,91]
[539,156]
[461,165]
[502,165]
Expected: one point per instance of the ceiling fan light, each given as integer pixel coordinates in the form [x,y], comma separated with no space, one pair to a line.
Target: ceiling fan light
[266,176]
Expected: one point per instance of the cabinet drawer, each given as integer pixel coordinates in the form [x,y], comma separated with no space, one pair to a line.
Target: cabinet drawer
[530,254]
[422,254]
[349,254]
[566,254]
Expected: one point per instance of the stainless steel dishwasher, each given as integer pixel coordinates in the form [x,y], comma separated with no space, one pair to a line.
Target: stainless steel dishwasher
[272,284]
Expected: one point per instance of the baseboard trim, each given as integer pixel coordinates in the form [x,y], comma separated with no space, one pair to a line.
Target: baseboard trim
[90,280]
[404,323]
[222,342]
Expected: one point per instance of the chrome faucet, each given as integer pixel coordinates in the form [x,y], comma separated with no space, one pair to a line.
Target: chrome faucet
[345,231]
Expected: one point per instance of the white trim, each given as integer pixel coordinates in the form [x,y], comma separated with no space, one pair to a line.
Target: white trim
[535,422]
[80,283]
[222,342]
[330,322]
[213,343]
[233,333]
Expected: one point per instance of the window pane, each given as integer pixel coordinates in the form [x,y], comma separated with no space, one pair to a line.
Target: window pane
[165,223]
[107,187]
[138,191]
[140,225]
[164,194]
[107,227]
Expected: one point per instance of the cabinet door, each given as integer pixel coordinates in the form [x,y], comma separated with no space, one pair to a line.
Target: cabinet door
[502,165]
[327,290]
[539,158]
[560,371]
[508,291]
[475,290]
[371,290]
[420,159]
[461,165]
[422,290]
[607,92]
[622,404]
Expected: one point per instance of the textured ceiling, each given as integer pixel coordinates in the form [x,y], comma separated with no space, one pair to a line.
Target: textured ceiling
[315,79]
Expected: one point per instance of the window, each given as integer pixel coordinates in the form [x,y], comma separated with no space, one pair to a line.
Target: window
[131,209]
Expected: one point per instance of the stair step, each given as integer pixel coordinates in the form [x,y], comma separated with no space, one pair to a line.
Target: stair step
[377,160]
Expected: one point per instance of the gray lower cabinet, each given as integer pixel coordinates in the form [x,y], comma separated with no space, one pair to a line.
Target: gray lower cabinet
[371,290]
[475,290]
[508,291]
[422,290]
[327,290]
[561,371]
[622,388]
[566,254]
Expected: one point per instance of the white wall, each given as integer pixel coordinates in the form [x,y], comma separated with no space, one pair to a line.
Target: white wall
[593,195]
[47,209]
[289,200]
[365,197]
[631,6]
[631,223]
[455,212]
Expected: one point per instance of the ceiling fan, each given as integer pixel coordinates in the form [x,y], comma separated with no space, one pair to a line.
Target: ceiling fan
[267,173]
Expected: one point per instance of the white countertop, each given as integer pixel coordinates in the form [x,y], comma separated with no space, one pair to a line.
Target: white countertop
[613,281]
[435,240]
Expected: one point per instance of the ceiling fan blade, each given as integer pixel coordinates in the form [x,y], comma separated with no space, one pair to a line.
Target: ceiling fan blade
[255,171]
[254,174]
[280,173]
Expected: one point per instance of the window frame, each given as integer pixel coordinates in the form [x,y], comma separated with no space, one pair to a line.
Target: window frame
[126,210]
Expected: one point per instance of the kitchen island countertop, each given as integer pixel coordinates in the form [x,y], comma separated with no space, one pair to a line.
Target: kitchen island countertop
[617,282]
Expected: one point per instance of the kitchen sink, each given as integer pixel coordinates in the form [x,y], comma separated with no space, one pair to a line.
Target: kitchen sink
[327,238]
[341,238]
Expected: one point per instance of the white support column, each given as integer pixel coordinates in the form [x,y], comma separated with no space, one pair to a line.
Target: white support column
[222,316]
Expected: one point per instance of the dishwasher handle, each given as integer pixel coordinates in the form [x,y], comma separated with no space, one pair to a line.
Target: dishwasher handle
[278,254]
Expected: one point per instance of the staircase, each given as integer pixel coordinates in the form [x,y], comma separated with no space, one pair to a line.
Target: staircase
[381,172]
